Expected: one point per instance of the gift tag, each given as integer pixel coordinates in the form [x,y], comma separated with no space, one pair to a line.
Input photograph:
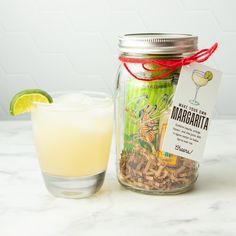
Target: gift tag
[191,111]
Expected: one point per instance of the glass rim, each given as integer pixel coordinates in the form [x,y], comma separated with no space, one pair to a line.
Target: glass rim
[103,100]
[198,72]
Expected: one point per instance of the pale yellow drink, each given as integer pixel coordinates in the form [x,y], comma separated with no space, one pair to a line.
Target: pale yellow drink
[199,80]
[73,135]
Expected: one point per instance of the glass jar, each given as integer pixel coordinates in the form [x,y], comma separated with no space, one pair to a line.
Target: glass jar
[143,106]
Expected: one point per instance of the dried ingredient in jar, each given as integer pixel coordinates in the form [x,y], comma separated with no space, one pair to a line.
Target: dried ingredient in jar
[139,168]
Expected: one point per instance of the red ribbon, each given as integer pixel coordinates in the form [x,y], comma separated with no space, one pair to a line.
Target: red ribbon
[169,65]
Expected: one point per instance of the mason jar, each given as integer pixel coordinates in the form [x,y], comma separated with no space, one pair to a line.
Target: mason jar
[143,101]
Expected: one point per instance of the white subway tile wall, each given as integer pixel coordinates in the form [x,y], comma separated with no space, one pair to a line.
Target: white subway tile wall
[72,44]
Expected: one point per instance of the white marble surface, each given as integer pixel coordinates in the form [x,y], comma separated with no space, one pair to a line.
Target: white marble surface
[26,209]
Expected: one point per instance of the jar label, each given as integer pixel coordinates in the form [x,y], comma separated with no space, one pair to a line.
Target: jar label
[191,111]
[167,158]
[144,105]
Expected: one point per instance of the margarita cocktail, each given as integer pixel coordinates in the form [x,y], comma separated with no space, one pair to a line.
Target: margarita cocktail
[73,136]
[200,79]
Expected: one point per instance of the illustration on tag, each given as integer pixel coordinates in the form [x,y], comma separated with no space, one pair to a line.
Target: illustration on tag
[200,79]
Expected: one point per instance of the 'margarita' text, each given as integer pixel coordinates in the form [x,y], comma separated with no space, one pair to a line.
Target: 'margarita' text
[190,118]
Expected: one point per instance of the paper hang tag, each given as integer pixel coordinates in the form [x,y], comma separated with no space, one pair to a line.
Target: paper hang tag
[191,111]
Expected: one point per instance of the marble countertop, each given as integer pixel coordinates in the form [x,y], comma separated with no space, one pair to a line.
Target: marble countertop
[27,209]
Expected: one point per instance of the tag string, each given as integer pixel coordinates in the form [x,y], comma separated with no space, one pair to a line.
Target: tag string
[167,66]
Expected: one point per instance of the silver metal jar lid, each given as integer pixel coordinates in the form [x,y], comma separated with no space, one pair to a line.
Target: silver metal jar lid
[158,43]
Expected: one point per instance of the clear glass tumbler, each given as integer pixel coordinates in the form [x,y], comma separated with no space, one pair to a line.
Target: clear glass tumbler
[73,136]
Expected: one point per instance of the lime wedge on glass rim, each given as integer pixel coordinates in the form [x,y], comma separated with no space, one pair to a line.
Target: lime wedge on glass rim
[208,75]
[22,102]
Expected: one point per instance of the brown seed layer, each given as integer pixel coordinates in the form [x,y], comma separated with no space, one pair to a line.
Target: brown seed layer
[146,171]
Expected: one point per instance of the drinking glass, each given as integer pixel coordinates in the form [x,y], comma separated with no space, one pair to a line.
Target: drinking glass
[73,136]
[200,81]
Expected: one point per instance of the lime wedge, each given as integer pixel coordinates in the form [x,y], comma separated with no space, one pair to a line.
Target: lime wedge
[23,101]
[208,75]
